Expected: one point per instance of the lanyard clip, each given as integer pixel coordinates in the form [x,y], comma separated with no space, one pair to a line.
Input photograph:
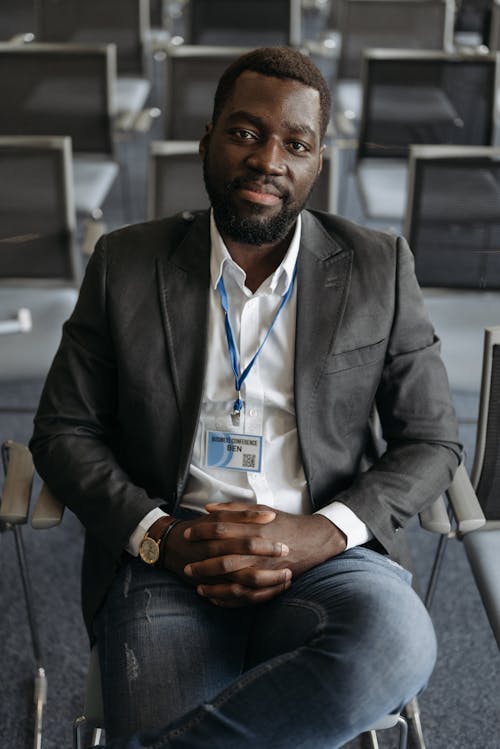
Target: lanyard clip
[237,409]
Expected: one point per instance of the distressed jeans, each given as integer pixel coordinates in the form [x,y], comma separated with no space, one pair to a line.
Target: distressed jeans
[347,643]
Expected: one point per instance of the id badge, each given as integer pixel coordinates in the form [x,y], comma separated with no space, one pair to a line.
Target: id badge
[234,452]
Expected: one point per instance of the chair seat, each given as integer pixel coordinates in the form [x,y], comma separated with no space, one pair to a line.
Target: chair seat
[483,552]
[130,94]
[93,179]
[383,187]
[29,355]
[388,721]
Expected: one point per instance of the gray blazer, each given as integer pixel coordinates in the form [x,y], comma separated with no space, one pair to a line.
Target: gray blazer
[115,427]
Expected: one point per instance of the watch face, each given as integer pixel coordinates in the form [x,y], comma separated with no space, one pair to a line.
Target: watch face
[149,550]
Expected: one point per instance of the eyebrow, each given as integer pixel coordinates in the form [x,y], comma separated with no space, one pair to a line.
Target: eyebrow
[294,127]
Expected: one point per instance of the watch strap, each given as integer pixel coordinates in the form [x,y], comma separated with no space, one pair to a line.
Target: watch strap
[163,541]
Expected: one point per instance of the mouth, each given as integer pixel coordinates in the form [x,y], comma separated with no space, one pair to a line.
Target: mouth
[259,193]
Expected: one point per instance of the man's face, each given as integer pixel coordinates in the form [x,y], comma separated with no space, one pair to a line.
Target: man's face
[261,157]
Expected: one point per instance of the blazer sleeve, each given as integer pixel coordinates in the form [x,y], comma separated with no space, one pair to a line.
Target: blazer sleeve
[419,427]
[76,421]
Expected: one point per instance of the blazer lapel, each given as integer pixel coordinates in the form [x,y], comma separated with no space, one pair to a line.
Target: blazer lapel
[184,279]
[323,279]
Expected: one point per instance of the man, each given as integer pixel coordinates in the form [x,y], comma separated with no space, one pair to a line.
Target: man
[208,418]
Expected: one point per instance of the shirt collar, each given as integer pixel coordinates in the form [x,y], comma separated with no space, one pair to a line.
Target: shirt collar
[220,260]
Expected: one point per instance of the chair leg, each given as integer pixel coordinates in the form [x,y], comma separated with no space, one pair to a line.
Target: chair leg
[40,698]
[77,732]
[403,733]
[436,568]
[412,712]
[97,736]
[40,679]
[373,739]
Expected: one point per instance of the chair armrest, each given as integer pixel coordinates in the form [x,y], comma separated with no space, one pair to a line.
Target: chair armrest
[464,503]
[19,471]
[92,231]
[435,518]
[48,510]
[20,324]
[25,38]
[136,122]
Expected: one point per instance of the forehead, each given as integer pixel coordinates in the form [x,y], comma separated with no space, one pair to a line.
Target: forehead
[275,99]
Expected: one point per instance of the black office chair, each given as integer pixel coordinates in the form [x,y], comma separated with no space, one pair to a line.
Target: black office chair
[417,98]
[175,178]
[453,216]
[249,23]
[483,545]
[40,266]
[124,23]
[384,24]
[39,274]
[482,542]
[61,89]
[192,74]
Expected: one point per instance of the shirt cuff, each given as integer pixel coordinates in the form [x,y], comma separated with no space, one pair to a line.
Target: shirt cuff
[356,531]
[138,534]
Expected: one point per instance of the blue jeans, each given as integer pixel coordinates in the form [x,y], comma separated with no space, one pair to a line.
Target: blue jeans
[349,642]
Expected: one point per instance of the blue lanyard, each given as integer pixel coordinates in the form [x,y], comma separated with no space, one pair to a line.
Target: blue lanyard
[239,379]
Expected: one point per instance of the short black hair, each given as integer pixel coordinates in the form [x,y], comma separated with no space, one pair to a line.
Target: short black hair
[276,62]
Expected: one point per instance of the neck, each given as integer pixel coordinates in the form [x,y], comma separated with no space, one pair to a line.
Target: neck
[258,261]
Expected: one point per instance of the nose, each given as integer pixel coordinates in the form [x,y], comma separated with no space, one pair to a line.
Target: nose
[267,157]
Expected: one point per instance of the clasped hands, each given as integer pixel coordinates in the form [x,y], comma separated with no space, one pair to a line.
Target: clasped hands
[238,554]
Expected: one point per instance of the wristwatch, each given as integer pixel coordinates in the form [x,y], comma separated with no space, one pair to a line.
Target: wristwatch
[149,548]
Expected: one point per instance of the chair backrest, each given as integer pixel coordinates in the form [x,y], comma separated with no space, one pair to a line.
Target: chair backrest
[16,17]
[176,180]
[453,216]
[486,470]
[156,13]
[121,22]
[59,89]
[474,16]
[255,23]
[324,195]
[425,97]
[494,31]
[391,24]
[37,213]
[192,74]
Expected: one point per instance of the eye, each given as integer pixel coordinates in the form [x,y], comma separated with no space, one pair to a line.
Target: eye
[298,147]
[242,134]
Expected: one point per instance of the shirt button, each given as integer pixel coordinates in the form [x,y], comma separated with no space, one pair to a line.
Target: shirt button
[252,412]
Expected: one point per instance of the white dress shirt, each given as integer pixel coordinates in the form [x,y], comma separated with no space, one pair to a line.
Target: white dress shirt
[267,393]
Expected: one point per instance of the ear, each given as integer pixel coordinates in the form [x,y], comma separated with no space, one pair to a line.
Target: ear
[202,148]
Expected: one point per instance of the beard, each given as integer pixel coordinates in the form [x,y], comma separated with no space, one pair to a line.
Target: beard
[253,229]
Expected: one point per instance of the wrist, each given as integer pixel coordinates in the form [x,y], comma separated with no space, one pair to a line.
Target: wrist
[150,547]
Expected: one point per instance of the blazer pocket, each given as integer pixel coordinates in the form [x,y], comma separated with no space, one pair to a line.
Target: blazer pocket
[358,357]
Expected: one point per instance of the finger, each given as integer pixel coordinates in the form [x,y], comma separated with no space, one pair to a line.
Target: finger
[217,566]
[249,545]
[233,596]
[232,525]
[253,577]
[238,507]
